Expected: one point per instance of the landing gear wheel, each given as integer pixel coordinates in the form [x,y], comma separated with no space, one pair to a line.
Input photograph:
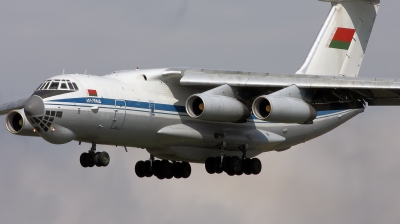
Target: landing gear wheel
[167,169]
[96,159]
[176,170]
[255,166]
[89,160]
[235,164]
[246,166]
[82,159]
[239,173]
[225,164]
[147,171]
[217,165]
[156,167]
[103,159]
[139,169]
[209,165]
[186,169]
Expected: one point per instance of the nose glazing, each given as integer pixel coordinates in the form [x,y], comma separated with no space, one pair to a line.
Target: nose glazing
[34,106]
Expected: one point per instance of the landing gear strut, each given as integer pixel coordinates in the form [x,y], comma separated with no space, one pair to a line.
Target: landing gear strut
[162,169]
[92,158]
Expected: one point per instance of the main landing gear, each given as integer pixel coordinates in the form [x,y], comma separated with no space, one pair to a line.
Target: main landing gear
[162,169]
[233,165]
[93,158]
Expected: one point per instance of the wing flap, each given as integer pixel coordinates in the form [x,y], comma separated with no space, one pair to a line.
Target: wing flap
[8,107]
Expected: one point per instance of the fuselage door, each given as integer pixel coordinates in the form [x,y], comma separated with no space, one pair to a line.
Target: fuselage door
[119,114]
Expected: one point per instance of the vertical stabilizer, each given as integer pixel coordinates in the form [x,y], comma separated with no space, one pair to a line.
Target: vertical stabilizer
[341,44]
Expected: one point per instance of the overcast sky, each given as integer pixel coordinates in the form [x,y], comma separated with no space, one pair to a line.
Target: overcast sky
[350,175]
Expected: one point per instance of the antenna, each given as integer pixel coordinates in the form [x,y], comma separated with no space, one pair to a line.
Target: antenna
[85,72]
[63,71]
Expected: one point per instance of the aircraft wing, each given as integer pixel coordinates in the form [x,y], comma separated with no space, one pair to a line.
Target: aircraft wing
[376,91]
[8,107]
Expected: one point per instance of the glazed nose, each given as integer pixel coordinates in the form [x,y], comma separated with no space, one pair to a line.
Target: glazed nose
[34,107]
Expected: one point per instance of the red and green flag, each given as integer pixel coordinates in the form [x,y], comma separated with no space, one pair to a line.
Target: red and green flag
[92,92]
[342,38]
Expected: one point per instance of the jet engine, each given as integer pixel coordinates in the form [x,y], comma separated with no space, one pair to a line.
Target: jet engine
[283,109]
[17,123]
[216,108]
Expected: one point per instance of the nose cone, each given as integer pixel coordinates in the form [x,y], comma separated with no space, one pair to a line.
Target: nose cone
[34,107]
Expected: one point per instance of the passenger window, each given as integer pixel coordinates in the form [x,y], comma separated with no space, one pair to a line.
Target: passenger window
[54,85]
[64,86]
[76,87]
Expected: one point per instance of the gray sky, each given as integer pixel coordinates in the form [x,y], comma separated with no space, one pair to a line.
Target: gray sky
[349,175]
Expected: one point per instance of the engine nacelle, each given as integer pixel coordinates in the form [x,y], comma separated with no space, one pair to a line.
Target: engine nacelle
[18,124]
[283,109]
[216,108]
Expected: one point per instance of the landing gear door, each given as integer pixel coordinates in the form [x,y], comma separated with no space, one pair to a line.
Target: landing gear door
[119,114]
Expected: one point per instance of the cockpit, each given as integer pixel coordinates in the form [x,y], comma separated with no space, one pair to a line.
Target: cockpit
[58,84]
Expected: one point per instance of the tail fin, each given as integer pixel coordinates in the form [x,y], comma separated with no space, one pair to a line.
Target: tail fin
[340,45]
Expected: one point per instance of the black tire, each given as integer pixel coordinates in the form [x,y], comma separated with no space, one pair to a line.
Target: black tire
[139,169]
[239,173]
[186,170]
[167,169]
[246,166]
[209,165]
[235,164]
[255,166]
[147,169]
[158,168]
[225,163]
[89,160]
[217,165]
[82,159]
[103,159]
[231,173]
[96,159]
[176,170]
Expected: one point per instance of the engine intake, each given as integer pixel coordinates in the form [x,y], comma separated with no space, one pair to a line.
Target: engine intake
[216,108]
[283,109]
[17,123]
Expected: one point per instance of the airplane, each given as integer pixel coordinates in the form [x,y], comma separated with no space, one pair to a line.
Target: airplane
[224,119]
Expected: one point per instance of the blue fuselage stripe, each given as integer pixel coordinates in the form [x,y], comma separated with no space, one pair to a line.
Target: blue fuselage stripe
[145,105]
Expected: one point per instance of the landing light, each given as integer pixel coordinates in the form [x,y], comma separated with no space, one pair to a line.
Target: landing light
[34,130]
[53,128]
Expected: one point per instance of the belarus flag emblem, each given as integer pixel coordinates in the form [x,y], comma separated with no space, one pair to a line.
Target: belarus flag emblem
[92,92]
[342,38]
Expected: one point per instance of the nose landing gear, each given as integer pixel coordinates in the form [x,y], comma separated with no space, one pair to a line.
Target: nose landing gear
[92,158]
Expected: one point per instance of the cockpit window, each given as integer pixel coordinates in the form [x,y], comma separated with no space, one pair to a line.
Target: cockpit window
[76,87]
[40,86]
[64,86]
[54,85]
[58,84]
[46,85]
[70,85]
